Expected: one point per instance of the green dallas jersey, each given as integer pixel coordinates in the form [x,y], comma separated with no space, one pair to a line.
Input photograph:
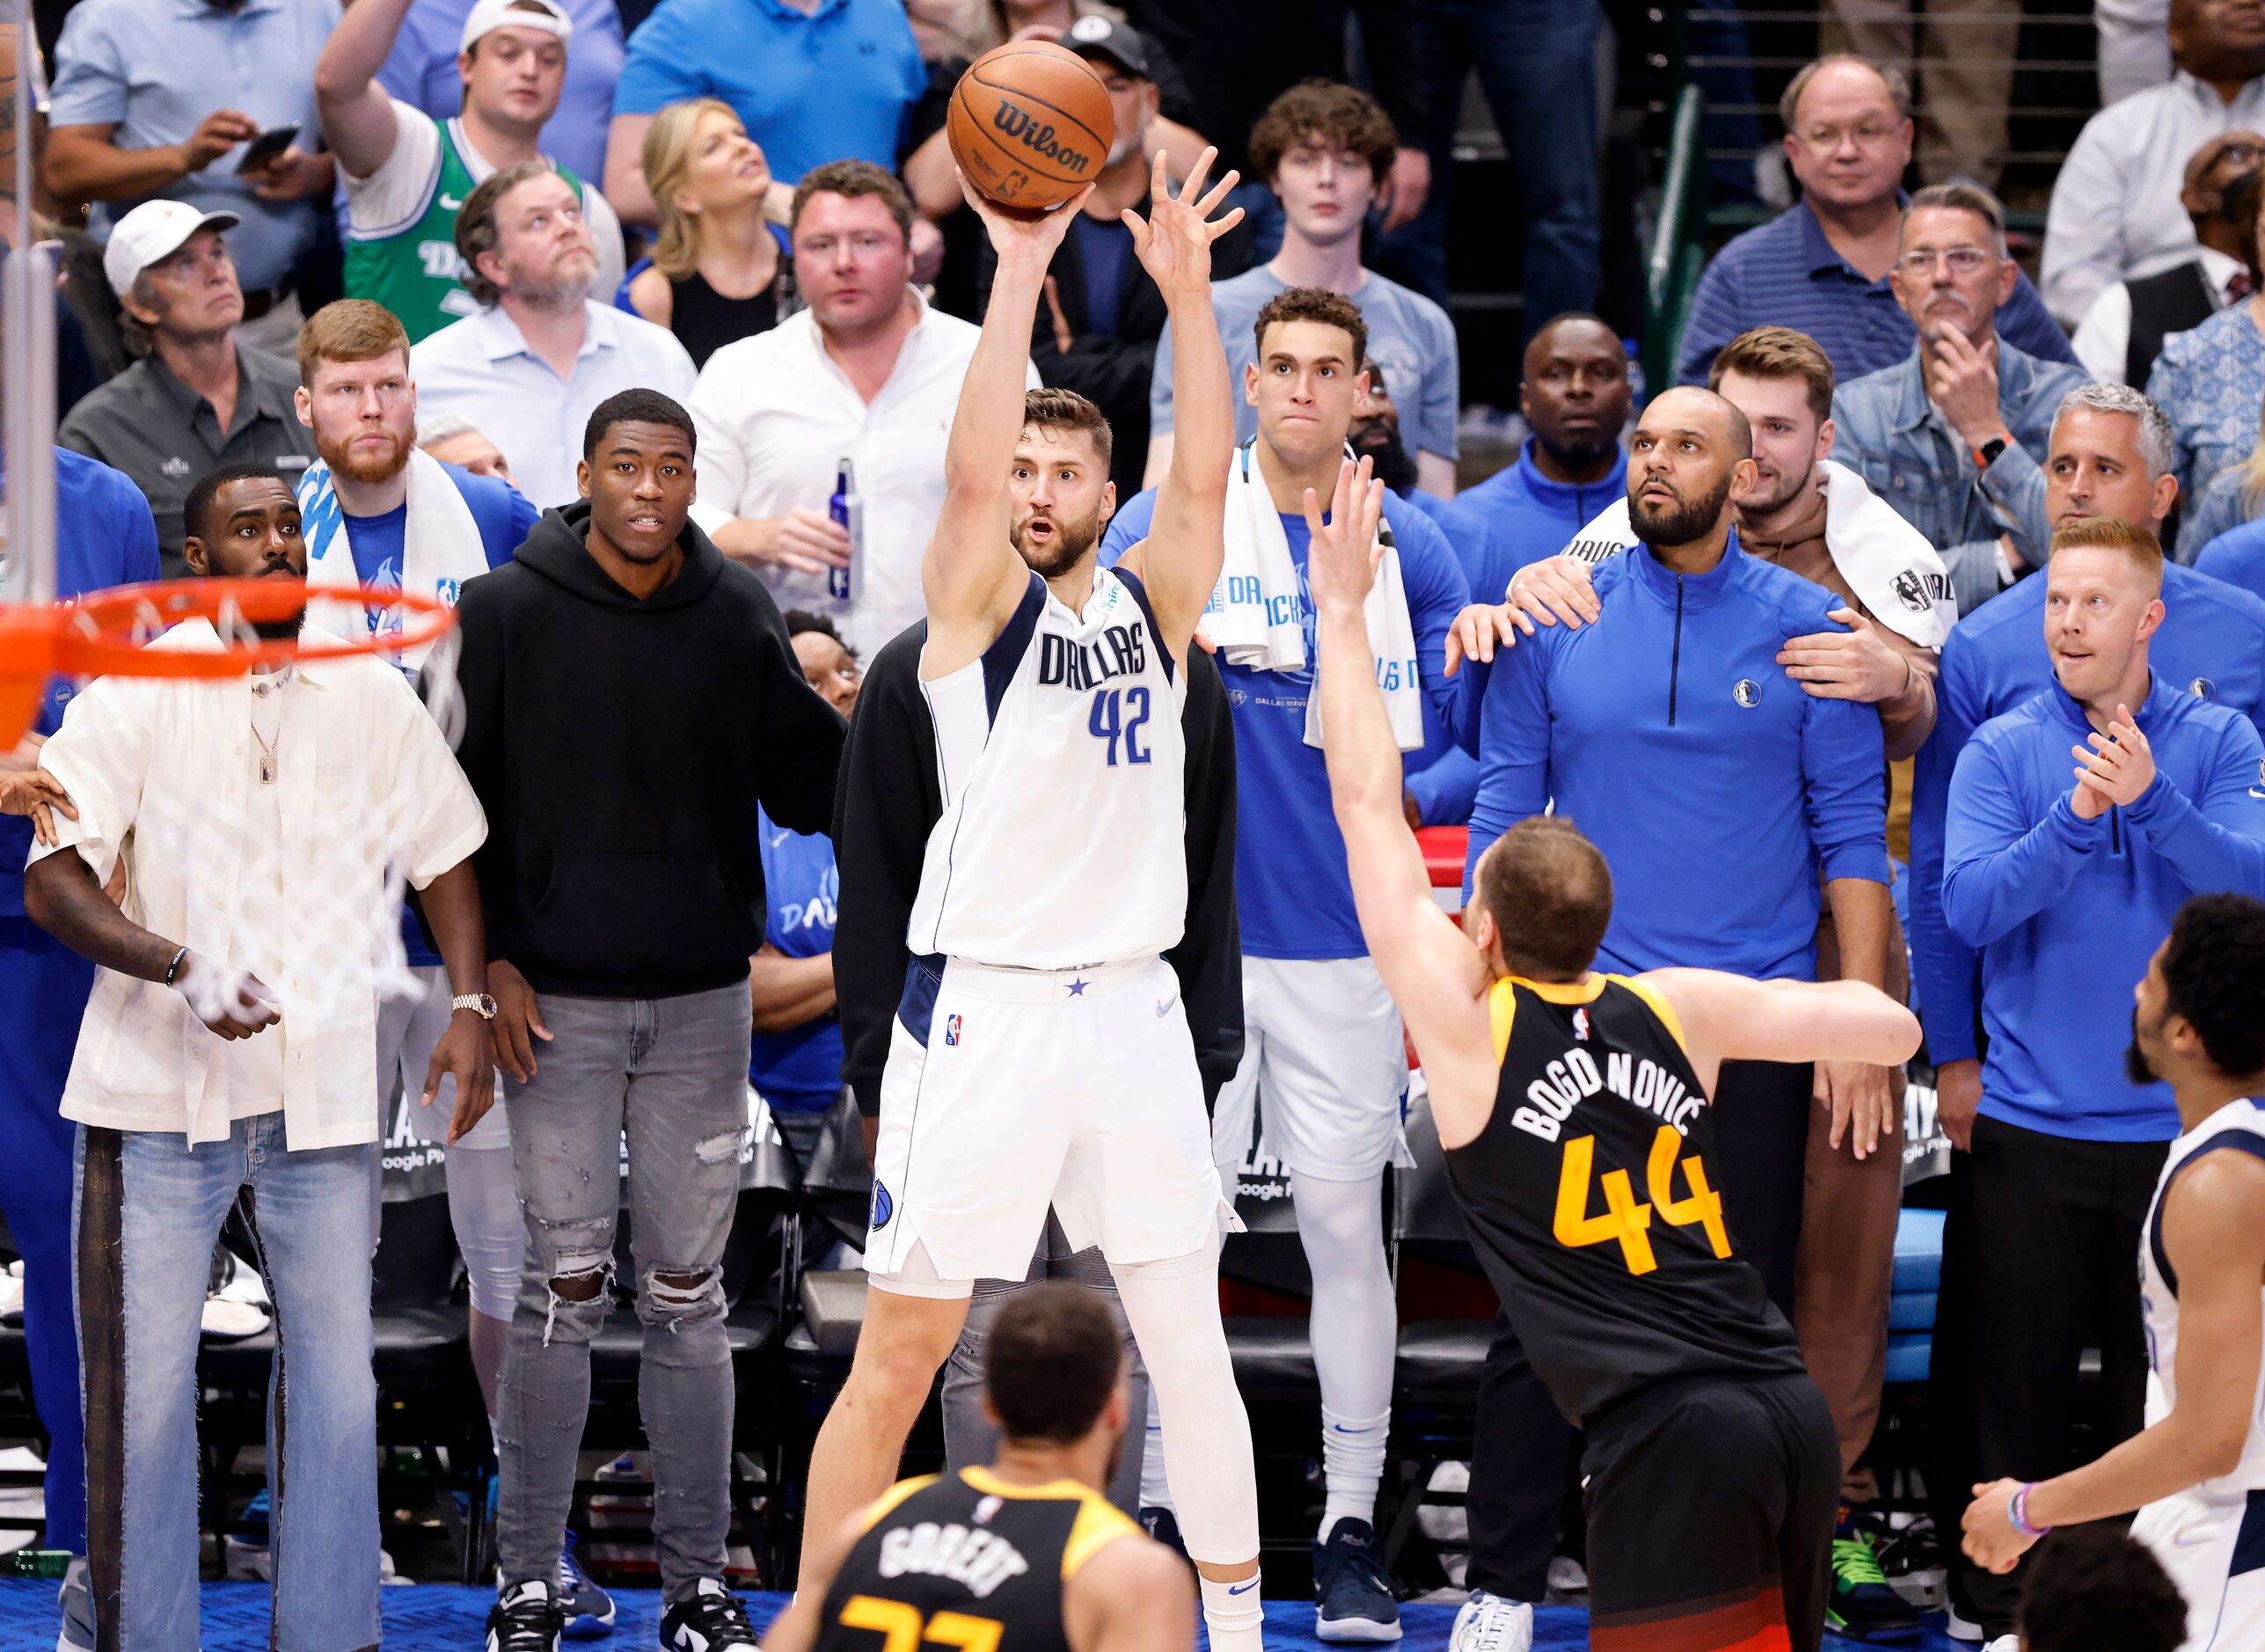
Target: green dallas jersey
[415,271]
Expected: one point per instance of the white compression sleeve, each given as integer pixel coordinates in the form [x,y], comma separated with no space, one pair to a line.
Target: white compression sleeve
[1174,1309]
[1354,1334]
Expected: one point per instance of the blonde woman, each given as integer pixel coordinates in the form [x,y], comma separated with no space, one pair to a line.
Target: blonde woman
[720,269]
[2237,496]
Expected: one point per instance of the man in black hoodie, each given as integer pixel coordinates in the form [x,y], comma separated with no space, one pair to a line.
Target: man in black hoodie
[630,699]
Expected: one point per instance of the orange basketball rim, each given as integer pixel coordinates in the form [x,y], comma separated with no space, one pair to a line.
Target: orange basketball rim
[106,632]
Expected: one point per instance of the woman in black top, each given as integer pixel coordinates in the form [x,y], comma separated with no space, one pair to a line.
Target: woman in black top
[720,269]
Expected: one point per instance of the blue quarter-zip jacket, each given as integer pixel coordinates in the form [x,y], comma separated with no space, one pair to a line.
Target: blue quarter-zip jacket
[1530,517]
[1667,731]
[2067,911]
[2211,643]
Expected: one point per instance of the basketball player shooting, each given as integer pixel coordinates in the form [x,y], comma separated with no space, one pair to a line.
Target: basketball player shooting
[1573,1109]
[1042,1054]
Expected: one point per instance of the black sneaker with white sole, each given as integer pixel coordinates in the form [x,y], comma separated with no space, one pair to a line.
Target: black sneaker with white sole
[526,1618]
[1353,1598]
[709,1619]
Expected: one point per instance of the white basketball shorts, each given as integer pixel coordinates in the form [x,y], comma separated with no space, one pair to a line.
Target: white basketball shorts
[1325,1068]
[1009,1090]
[2213,1546]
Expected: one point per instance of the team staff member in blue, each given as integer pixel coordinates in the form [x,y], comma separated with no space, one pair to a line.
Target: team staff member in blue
[2109,455]
[1670,733]
[2066,889]
[2238,557]
[1324,1060]
[104,536]
[2110,458]
[1575,397]
[796,1059]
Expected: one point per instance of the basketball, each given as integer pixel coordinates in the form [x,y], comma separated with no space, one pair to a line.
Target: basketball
[1030,124]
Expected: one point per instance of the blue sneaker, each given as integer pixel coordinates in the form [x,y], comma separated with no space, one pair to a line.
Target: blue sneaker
[588,1609]
[1352,1597]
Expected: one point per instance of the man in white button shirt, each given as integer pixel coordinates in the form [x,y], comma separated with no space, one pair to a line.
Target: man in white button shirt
[229,1044]
[2116,211]
[2124,329]
[868,372]
[532,365]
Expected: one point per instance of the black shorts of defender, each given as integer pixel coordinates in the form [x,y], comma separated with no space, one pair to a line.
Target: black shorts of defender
[1711,1505]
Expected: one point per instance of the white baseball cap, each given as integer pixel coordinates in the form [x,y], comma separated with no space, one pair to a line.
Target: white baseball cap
[153,232]
[540,15]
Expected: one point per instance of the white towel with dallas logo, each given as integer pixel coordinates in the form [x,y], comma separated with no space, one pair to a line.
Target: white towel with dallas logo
[1896,573]
[441,546]
[1257,614]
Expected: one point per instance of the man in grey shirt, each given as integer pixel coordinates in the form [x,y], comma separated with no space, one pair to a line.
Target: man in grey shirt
[197,397]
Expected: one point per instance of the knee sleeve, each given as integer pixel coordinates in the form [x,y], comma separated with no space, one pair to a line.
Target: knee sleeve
[491,1231]
[1355,1326]
[1174,1309]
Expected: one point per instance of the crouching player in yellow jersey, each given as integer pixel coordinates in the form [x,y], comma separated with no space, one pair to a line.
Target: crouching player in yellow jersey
[1027,1555]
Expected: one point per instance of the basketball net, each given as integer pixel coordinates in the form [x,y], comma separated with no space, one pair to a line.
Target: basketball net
[305,871]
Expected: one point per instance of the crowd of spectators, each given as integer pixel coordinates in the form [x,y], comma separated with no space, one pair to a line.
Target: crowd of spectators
[1971,520]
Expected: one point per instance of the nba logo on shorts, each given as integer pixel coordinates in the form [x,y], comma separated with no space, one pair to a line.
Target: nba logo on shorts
[951,1030]
[1580,1025]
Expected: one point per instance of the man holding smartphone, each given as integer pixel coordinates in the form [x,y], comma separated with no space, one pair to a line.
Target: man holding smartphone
[157,99]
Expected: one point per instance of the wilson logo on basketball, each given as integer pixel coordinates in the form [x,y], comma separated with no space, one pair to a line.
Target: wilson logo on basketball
[1038,138]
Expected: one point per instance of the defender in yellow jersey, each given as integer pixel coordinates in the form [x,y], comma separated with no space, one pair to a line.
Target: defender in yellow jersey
[1026,1555]
[1573,1109]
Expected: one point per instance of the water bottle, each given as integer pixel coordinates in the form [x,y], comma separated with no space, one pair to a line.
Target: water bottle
[39,1562]
[845,509]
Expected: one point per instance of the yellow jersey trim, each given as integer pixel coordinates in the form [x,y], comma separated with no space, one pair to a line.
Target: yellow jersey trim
[1588,990]
[1502,1010]
[1100,1523]
[894,1496]
[1053,1491]
[1657,999]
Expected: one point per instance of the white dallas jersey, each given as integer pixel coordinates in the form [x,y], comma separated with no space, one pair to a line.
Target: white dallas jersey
[1062,843]
[2239,1127]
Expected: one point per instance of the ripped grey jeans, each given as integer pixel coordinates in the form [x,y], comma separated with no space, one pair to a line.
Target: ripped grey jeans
[672,1072]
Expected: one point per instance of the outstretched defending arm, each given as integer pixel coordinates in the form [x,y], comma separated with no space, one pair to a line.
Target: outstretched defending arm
[1180,561]
[971,576]
[1729,1018]
[1432,972]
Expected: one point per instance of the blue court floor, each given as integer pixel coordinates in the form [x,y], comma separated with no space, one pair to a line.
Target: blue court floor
[434,1618]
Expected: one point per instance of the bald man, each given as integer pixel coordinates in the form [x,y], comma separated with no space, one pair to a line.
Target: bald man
[1670,735]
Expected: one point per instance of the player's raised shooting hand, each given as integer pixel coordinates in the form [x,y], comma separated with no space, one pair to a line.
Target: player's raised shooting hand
[1174,242]
[1023,235]
[1342,558]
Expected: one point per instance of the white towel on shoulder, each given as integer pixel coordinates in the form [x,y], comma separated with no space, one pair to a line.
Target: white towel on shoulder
[1257,614]
[1896,573]
[440,545]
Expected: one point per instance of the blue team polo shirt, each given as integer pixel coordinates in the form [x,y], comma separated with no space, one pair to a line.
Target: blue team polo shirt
[798,1070]
[836,84]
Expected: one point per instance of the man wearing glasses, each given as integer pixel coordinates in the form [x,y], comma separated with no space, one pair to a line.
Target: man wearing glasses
[1955,435]
[1822,267]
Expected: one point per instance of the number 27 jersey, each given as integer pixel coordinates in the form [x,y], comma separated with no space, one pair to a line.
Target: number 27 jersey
[1063,761]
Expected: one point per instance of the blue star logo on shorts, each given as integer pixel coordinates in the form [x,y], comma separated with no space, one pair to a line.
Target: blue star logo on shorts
[1077,989]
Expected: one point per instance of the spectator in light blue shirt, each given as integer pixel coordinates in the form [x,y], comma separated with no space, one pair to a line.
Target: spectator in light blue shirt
[422,70]
[157,98]
[1822,268]
[834,80]
[1955,436]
